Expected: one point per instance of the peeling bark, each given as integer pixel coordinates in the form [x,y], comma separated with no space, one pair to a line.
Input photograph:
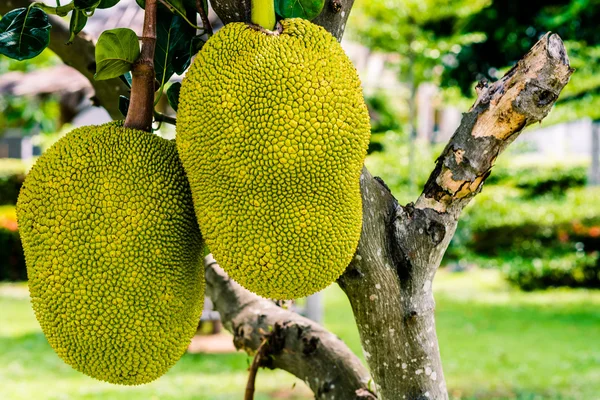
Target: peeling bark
[401,247]
[522,97]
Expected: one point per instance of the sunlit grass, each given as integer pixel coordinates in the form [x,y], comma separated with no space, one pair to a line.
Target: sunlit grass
[496,343]
[497,340]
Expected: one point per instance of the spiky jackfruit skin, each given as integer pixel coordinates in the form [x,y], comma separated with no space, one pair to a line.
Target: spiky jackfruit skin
[272,132]
[113,252]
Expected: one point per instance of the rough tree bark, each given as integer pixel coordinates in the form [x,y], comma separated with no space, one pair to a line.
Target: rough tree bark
[389,281]
[295,344]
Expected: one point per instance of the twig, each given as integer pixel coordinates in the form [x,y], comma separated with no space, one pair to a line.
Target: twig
[59,10]
[254,369]
[160,117]
[141,109]
[204,17]
[182,15]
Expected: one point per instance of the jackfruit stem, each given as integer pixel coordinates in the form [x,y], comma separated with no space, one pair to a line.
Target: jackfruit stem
[263,14]
[141,105]
[204,17]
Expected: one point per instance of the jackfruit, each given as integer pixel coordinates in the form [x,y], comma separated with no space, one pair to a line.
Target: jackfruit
[272,132]
[113,252]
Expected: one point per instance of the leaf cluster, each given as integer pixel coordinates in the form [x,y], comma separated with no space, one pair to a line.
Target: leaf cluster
[25,33]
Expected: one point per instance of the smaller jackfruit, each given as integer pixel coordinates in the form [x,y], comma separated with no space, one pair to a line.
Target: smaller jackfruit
[113,252]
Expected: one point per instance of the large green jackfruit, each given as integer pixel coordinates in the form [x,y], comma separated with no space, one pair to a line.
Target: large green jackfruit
[113,252]
[272,132]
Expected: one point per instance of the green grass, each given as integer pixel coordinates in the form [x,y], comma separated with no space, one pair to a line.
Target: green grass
[496,343]
[499,343]
[29,368]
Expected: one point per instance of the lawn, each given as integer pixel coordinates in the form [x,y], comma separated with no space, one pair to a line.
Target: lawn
[496,343]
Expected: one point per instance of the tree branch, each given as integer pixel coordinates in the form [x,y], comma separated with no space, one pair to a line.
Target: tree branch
[522,97]
[81,56]
[204,17]
[256,363]
[389,281]
[141,108]
[296,344]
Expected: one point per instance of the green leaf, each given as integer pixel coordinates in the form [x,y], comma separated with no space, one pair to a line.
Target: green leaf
[173,95]
[107,3]
[182,58]
[116,51]
[191,4]
[307,9]
[141,3]
[172,46]
[123,105]
[127,79]
[24,33]
[78,21]
[196,44]
[177,4]
[86,4]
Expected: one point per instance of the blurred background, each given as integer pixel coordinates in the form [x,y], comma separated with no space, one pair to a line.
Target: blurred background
[518,299]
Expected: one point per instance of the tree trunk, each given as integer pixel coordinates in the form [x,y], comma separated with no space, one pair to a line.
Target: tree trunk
[389,281]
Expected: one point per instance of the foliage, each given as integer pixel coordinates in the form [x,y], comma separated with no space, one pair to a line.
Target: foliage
[116,51]
[539,242]
[9,188]
[538,179]
[393,165]
[12,174]
[384,115]
[502,206]
[173,95]
[174,37]
[509,30]
[400,27]
[28,114]
[25,113]
[576,269]
[458,43]
[24,33]
[307,9]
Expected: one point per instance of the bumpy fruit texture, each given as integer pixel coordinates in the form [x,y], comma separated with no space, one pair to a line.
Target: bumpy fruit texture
[113,252]
[272,132]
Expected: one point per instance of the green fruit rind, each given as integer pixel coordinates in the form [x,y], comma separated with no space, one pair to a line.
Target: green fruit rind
[272,132]
[113,252]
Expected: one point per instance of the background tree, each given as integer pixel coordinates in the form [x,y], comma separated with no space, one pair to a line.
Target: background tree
[389,280]
[403,28]
[508,30]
